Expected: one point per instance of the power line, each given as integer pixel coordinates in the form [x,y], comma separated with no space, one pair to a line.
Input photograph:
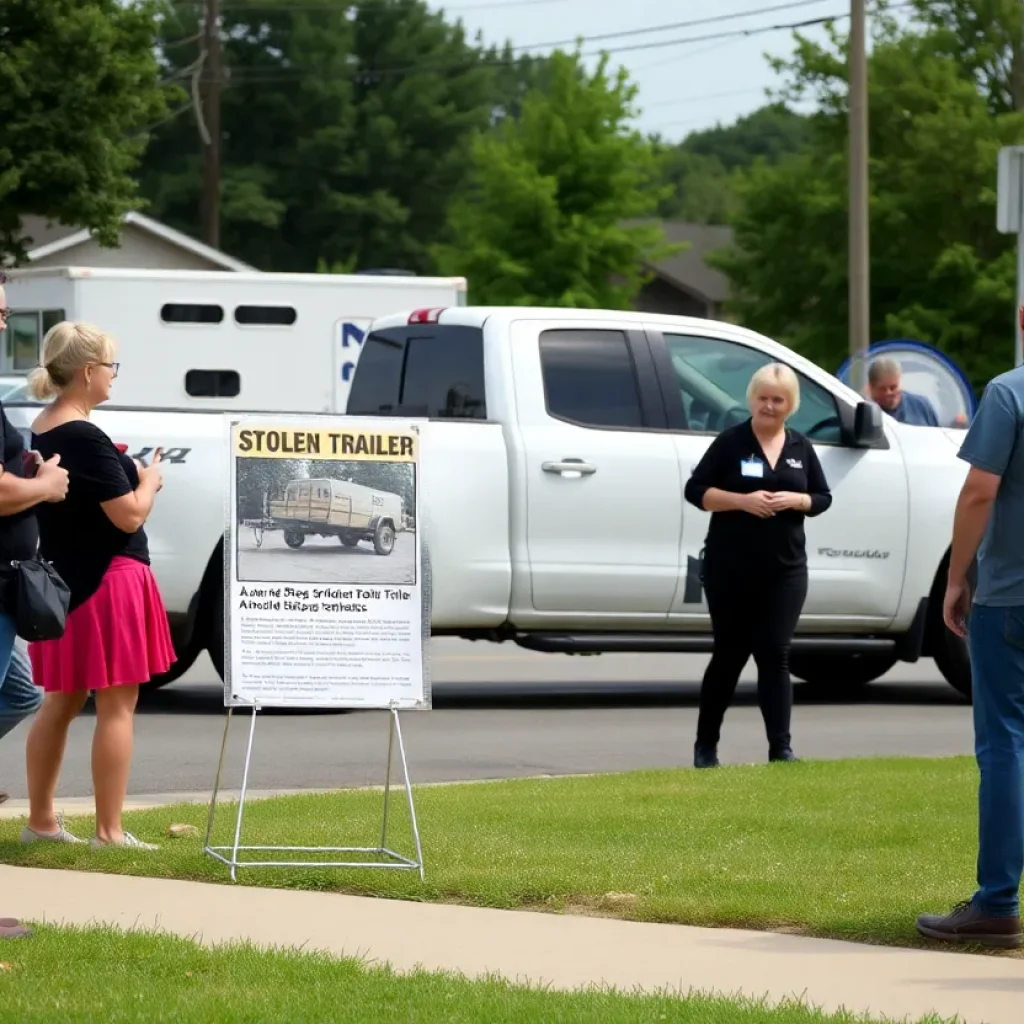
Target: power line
[672,26]
[341,6]
[269,75]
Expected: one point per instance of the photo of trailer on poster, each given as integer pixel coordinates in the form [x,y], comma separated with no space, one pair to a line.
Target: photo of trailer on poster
[325,603]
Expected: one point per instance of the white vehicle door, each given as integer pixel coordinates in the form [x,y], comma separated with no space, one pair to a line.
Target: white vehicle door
[603,494]
[856,550]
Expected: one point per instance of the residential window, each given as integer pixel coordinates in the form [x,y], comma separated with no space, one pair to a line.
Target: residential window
[23,338]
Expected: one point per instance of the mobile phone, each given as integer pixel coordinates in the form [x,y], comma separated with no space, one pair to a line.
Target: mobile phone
[30,464]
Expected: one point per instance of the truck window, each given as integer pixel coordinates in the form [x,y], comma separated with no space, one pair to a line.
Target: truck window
[590,379]
[713,376]
[190,313]
[275,316]
[432,370]
[212,384]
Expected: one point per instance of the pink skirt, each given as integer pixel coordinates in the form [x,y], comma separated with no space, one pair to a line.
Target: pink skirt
[118,637]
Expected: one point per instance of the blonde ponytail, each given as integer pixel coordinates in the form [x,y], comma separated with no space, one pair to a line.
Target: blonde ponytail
[67,348]
[41,385]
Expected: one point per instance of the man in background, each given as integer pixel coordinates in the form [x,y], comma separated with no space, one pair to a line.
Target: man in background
[884,382]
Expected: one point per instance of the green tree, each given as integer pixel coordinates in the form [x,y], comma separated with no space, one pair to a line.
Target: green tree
[700,170]
[78,86]
[550,189]
[940,272]
[346,130]
[983,37]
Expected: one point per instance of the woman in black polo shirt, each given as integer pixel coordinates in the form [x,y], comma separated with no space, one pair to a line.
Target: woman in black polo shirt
[759,480]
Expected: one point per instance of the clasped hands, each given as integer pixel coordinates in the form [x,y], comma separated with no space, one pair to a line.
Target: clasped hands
[764,504]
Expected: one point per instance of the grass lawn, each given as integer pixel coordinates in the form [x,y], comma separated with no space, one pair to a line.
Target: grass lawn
[68,976]
[851,849]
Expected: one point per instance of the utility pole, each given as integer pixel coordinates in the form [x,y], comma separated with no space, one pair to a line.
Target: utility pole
[859,263]
[212,81]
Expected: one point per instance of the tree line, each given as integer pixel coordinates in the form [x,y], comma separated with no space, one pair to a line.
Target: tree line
[376,134]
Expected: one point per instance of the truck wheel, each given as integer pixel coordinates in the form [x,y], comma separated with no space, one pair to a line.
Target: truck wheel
[215,642]
[349,542]
[185,661]
[837,673]
[949,651]
[951,656]
[384,539]
[294,539]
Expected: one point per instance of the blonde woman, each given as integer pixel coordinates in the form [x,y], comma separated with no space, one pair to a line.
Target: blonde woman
[759,480]
[117,635]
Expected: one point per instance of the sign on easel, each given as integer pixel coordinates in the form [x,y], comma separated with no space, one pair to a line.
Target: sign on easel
[326,604]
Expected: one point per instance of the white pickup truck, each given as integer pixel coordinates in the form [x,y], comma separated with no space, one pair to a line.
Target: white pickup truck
[556,448]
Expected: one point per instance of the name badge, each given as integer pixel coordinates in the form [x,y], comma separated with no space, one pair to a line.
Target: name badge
[752,467]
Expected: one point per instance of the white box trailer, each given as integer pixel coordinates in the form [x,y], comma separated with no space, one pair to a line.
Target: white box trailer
[218,340]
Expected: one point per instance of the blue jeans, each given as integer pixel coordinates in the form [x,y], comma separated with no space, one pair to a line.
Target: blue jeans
[997,664]
[19,696]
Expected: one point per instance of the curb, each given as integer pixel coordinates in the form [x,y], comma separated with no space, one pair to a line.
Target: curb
[83,805]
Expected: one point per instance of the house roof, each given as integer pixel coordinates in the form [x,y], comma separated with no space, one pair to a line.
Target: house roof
[688,270]
[48,238]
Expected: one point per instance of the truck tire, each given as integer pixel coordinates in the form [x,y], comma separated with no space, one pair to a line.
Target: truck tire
[185,661]
[215,638]
[294,538]
[840,673]
[949,650]
[384,539]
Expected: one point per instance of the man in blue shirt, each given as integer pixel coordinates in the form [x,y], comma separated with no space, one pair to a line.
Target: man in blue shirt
[989,514]
[884,377]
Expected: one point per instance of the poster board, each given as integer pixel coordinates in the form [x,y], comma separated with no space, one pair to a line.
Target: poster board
[326,603]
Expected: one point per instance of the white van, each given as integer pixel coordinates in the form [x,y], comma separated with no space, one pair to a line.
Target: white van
[218,340]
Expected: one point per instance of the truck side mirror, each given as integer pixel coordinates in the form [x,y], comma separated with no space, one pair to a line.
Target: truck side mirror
[867,425]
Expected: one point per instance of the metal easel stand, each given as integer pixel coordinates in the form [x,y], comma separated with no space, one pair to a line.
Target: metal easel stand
[229,855]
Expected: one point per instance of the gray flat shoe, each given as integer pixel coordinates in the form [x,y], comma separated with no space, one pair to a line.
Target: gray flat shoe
[13,929]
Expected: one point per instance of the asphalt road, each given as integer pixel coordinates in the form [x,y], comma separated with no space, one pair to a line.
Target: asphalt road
[500,712]
[275,562]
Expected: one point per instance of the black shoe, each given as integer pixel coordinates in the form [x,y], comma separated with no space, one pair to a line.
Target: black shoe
[968,925]
[783,754]
[705,757]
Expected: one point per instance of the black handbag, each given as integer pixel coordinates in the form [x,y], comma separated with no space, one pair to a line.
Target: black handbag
[40,600]
[34,595]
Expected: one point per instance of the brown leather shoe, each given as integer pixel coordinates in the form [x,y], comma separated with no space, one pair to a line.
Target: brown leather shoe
[966,924]
[12,929]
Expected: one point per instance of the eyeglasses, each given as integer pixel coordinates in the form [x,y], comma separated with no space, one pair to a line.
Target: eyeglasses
[113,367]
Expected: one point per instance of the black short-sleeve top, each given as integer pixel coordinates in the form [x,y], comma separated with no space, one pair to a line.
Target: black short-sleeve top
[76,534]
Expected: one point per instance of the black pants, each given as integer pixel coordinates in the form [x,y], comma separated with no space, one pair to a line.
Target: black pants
[751,614]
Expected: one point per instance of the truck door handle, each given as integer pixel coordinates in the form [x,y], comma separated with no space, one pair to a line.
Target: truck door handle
[571,468]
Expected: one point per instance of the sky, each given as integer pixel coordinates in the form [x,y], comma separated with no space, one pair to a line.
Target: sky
[683,87]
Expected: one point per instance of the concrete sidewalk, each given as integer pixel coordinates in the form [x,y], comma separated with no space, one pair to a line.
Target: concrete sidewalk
[562,951]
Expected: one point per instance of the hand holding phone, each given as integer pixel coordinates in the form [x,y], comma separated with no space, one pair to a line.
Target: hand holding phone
[31,461]
[153,470]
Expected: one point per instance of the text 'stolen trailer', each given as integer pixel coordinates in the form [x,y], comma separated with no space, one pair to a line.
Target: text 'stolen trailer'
[333,508]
